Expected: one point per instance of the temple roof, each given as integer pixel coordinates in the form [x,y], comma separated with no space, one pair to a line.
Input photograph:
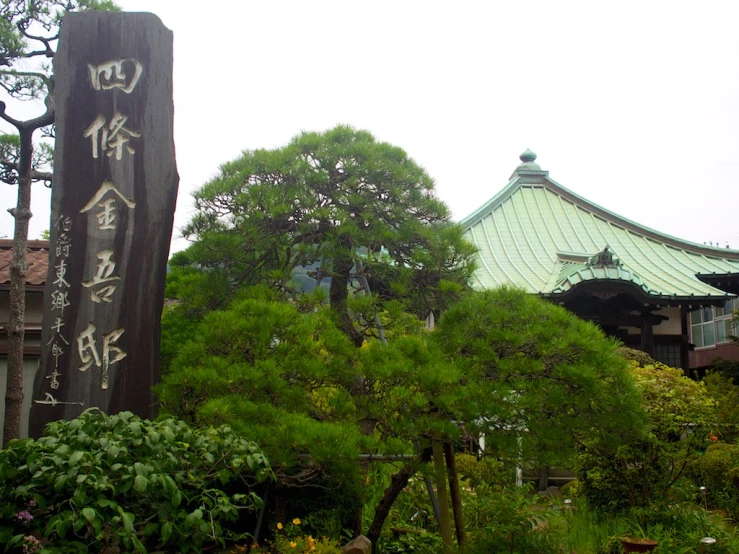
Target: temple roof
[540,236]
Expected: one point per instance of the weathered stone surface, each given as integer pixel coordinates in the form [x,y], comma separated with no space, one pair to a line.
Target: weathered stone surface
[360,545]
[113,199]
[551,492]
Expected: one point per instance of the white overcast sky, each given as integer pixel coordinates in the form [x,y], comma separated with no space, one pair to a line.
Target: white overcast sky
[633,105]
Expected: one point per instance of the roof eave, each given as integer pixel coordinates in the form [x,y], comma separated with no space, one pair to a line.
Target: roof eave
[658,299]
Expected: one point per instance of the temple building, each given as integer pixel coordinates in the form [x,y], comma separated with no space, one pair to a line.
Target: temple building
[668,297]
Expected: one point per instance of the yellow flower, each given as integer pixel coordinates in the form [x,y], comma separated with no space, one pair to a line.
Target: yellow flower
[296,521]
[279,525]
[293,544]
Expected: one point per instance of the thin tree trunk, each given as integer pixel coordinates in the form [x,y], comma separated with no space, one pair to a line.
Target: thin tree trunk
[18,271]
[432,496]
[281,507]
[429,484]
[397,483]
[451,468]
[260,519]
[445,524]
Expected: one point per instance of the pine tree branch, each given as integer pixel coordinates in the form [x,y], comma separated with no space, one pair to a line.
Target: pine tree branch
[46,41]
[48,53]
[35,175]
[47,118]
[15,73]
[14,122]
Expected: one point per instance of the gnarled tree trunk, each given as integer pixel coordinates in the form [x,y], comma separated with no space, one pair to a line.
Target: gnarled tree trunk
[397,483]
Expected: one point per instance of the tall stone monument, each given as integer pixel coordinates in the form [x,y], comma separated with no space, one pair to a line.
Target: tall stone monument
[113,200]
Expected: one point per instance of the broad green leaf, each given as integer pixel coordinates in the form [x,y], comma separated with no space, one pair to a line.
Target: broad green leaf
[60,481]
[128,519]
[113,452]
[166,532]
[140,484]
[76,457]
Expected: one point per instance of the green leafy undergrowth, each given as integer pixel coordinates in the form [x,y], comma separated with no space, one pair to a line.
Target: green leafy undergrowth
[717,471]
[646,469]
[133,484]
[414,543]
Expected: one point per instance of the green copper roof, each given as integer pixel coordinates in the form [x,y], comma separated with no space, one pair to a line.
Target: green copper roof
[538,235]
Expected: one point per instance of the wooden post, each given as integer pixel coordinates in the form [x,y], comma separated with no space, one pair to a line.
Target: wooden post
[647,338]
[113,200]
[543,478]
[441,492]
[684,339]
[456,497]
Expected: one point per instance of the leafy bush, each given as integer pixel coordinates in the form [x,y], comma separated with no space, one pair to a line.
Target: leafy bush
[118,480]
[677,530]
[571,489]
[726,394]
[680,527]
[486,471]
[643,468]
[415,543]
[506,520]
[274,375]
[528,364]
[718,471]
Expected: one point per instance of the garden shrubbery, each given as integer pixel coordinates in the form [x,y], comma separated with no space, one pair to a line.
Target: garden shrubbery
[644,468]
[118,481]
[718,471]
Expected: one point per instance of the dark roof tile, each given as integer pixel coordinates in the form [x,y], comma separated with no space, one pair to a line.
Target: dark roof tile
[37,258]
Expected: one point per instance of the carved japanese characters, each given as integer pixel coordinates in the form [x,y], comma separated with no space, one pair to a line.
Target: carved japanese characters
[113,195]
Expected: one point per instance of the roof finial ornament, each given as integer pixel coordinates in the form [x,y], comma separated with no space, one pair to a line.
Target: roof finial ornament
[528,156]
[528,167]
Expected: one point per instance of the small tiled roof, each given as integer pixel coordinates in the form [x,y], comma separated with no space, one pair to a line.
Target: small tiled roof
[546,239]
[37,257]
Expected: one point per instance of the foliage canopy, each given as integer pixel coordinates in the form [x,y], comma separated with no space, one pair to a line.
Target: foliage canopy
[341,204]
[533,370]
[499,362]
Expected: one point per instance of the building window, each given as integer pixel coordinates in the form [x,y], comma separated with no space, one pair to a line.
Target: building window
[668,354]
[713,324]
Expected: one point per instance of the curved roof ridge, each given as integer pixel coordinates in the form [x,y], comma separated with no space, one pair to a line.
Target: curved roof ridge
[638,227]
[491,204]
[547,182]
